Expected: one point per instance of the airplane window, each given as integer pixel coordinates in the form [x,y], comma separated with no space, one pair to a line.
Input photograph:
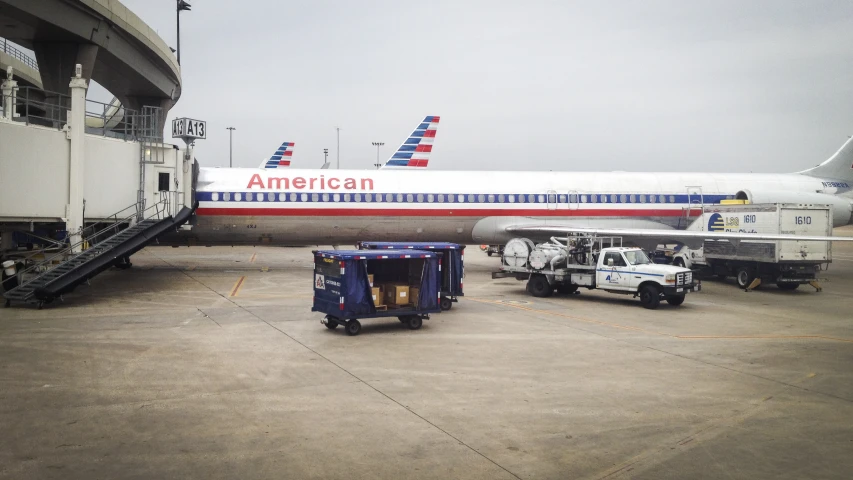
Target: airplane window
[583,198]
[315,197]
[325,197]
[356,197]
[399,197]
[347,197]
[430,198]
[541,198]
[238,196]
[214,196]
[633,198]
[293,197]
[471,198]
[440,198]
[226,196]
[420,197]
[672,199]
[304,197]
[481,198]
[623,198]
[336,197]
[642,199]
[410,198]
[662,199]
[368,197]
[511,198]
[501,198]
[652,198]
[521,198]
[613,198]
[573,198]
[460,198]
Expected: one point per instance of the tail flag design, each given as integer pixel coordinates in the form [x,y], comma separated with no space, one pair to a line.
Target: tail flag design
[415,151]
[281,158]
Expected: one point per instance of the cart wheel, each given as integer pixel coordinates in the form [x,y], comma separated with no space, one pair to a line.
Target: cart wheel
[331,323]
[446,303]
[414,322]
[353,327]
[403,319]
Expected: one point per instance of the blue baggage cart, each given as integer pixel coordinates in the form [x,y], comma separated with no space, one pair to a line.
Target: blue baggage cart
[452,265]
[342,287]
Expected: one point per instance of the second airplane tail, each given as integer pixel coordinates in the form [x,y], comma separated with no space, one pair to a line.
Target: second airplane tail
[281,158]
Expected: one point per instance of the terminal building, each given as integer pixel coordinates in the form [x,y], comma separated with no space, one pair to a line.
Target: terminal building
[75,172]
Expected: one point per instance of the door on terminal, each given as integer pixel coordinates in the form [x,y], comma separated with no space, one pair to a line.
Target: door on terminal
[163,182]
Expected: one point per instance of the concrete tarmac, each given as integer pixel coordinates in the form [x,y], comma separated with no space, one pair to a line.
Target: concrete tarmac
[208,363]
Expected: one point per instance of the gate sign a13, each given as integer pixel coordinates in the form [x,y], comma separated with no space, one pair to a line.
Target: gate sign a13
[189,129]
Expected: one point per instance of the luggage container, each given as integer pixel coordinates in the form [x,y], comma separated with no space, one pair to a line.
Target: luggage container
[350,285]
[452,265]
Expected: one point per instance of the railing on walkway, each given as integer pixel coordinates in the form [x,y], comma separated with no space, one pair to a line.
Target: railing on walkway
[14,52]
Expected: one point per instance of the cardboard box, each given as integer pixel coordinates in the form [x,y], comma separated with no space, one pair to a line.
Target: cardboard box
[370,279]
[397,294]
[414,295]
[377,296]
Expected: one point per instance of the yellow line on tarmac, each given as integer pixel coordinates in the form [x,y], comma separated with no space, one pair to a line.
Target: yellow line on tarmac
[252,260]
[663,334]
[237,286]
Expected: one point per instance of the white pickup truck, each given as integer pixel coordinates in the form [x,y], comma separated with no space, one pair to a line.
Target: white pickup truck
[578,263]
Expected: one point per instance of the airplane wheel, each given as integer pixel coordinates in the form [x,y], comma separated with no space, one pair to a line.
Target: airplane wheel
[650,297]
[353,328]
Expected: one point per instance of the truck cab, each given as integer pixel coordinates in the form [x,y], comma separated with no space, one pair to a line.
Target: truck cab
[629,270]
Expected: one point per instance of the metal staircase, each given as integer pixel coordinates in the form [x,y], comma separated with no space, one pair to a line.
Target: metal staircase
[42,284]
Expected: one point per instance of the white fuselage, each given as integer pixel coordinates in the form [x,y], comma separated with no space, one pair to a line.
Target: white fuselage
[286,207]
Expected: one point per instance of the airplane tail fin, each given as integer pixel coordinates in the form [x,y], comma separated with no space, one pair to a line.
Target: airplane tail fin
[281,158]
[415,151]
[838,166]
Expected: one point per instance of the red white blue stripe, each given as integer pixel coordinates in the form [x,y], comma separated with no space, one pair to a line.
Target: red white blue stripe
[281,157]
[415,151]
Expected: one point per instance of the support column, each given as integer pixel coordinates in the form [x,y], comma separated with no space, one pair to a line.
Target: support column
[76,172]
[187,183]
[10,92]
[57,61]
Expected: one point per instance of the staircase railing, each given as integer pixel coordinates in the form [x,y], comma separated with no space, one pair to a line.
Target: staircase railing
[159,209]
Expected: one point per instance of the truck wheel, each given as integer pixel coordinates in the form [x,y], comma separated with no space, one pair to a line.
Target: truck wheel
[650,297]
[675,300]
[353,328]
[678,262]
[788,286]
[567,289]
[414,322]
[539,286]
[744,276]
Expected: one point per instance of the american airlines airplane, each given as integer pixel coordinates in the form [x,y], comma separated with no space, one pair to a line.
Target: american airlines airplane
[291,207]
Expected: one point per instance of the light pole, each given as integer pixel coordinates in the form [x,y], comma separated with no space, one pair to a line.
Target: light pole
[325,156]
[181,5]
[230,146]
[339,147]
[377,145]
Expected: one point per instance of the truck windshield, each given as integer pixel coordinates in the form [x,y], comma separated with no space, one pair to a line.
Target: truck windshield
[637,257]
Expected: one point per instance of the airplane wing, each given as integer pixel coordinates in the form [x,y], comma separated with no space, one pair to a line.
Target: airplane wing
[661,234]
[415,151]
[281,158]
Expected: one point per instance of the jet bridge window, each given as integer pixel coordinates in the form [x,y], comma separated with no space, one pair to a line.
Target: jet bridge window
[618,261]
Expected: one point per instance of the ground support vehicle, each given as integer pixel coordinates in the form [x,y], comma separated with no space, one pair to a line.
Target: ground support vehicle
[787,263]
[345,286]
[452,265]
[492,249]
[564,264]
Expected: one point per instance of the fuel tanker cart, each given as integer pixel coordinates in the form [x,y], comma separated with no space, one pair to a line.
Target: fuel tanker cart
[568,263]
[452,265]
[352,285]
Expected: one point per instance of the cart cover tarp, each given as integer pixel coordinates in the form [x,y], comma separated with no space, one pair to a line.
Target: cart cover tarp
[355,286]
[452,260]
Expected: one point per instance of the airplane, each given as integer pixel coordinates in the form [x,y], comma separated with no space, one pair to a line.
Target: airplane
[296,207]
[416,150]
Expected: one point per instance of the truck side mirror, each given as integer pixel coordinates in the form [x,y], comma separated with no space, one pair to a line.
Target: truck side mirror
[609,262]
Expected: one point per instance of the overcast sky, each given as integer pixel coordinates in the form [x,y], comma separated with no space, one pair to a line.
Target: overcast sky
[538,85]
